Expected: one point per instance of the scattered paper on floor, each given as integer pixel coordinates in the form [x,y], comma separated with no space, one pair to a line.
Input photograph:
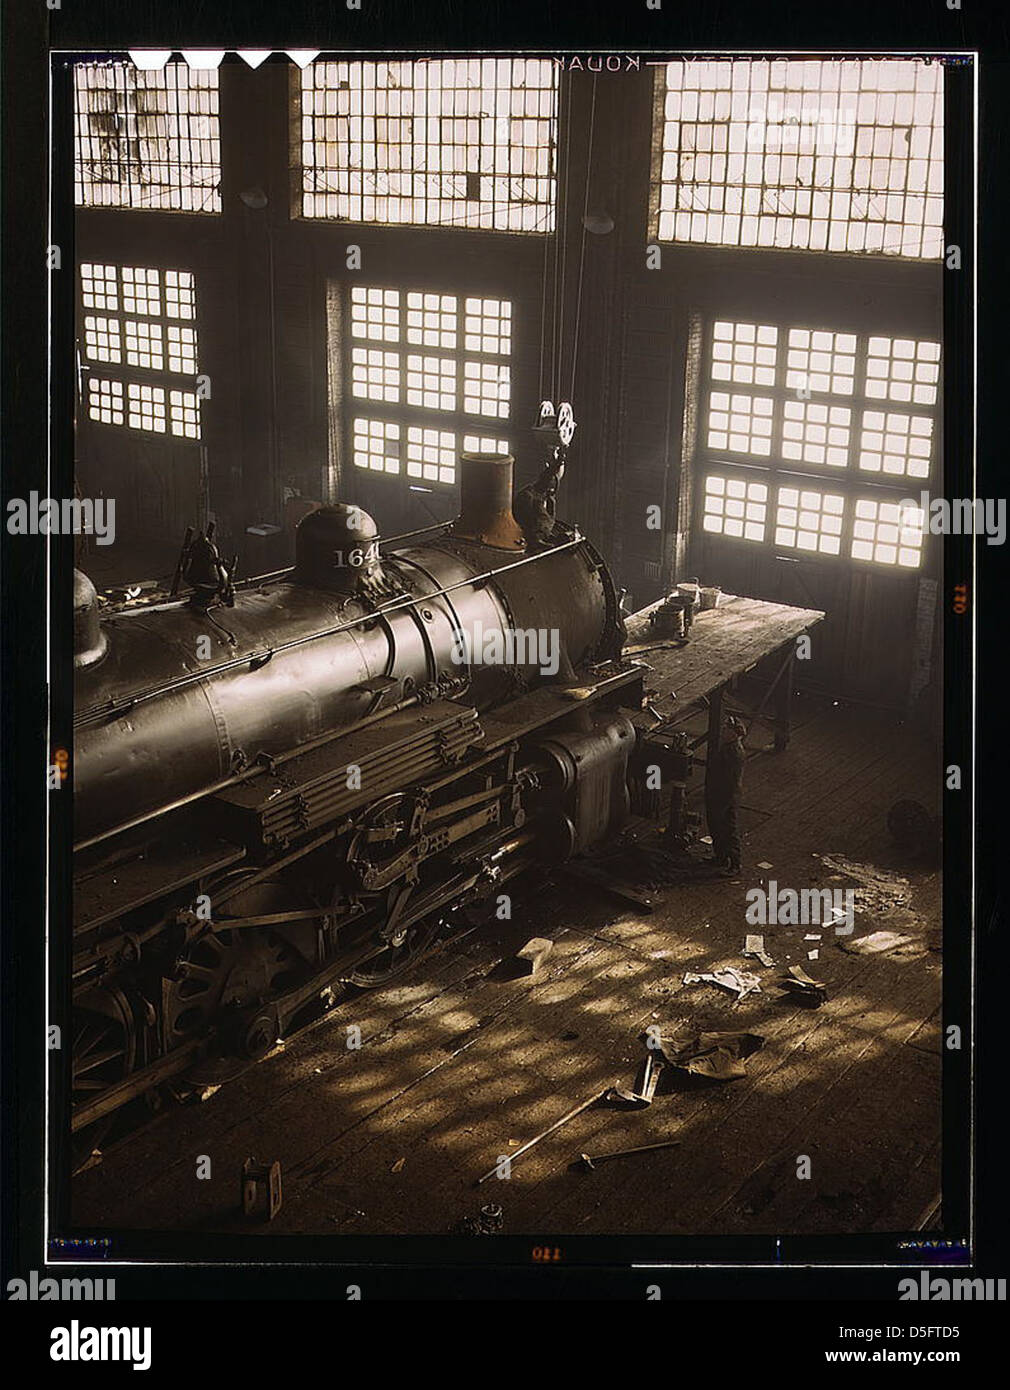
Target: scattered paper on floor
[738,982]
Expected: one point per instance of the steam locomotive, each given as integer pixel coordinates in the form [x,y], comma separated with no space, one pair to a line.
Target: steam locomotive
[294,784]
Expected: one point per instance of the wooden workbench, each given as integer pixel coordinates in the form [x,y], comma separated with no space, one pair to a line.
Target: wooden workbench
[724,642]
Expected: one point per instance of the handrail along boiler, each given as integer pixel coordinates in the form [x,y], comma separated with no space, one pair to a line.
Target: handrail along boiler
[282,787]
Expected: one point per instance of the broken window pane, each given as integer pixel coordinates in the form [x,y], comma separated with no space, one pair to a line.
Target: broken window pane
[822,155]
[147,139]
[446,142]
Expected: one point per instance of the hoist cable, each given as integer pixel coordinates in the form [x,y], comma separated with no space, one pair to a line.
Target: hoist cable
[582,253]
[563,290]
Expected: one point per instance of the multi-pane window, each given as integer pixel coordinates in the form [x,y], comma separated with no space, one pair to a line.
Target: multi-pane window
[902,369]
[821,361]
[442,142]
[897,444]
[744,352]
[741,423]
[820,155]
[801,447]
[138,344]
[434,371]
[735,507]
[809,519]
[147,139]
[888,532]
[815,433]
[376,445]
[105,401]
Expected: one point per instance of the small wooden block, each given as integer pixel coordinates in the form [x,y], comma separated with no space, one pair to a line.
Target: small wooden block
[534,953]
[259,1180]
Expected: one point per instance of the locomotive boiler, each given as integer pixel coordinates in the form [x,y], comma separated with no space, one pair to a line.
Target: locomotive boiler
[290,786]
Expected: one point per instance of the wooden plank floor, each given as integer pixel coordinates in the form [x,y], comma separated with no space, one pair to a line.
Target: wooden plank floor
[461,1063]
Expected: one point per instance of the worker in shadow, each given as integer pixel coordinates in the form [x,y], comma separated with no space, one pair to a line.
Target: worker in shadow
[723,787]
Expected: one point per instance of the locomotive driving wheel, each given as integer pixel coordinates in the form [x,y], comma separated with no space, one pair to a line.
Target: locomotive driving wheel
[377,858]
[104,1053]
[230,968]
[395,955]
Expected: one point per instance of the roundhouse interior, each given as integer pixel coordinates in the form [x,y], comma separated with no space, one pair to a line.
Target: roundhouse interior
[311,281]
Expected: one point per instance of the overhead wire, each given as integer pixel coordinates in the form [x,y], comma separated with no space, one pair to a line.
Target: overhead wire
[582,252]
[555,261]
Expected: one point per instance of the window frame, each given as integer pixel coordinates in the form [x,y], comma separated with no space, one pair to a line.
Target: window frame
[135,374]
[852,483]
[404,414]
[171,193]
[298,139]
[846,256]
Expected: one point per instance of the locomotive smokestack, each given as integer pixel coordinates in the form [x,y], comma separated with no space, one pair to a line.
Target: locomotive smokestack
[485,502]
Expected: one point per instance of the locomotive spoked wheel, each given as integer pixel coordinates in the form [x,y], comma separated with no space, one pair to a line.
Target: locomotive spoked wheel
[397,956]
[231,967]
[104,1052]
[382,837]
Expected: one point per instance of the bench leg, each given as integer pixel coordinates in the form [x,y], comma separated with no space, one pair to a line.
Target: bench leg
[714,740]
[783,705]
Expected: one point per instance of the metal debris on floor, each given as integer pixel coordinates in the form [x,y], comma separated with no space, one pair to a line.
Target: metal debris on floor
[879,891]
[589,1162]
[646,1088]
[531,1143]
[261,1189]
[799,982]
[488,1222]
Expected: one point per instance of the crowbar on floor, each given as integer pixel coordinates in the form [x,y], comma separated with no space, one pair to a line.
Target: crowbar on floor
[544,1133]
